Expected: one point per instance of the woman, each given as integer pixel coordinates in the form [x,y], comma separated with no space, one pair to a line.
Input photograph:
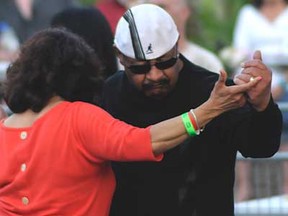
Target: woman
[55,149]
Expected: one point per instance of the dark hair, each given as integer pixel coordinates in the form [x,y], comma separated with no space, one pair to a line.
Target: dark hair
[52,62]
[259,3]
[91,24]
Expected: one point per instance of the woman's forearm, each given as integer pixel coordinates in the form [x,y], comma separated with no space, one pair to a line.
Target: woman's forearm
[168,134]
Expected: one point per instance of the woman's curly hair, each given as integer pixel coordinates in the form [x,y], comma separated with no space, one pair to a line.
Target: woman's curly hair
[52,62]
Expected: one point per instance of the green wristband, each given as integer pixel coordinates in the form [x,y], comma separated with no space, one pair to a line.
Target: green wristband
[188,125]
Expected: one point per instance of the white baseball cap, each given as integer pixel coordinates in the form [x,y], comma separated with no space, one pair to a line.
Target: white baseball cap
[145,32]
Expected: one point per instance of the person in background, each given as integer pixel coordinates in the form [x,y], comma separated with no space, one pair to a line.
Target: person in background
[180,10]
[9,43]
[268,32]
[57,145]
[160,83]
[90,24]
[263,25]
[9,47]
[114,9]
[28,16]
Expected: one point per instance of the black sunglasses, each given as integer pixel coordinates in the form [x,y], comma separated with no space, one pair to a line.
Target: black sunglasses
[145,68]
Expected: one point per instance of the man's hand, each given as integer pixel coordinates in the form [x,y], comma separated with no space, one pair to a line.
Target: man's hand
[224,98]
[230,97]
[260,94]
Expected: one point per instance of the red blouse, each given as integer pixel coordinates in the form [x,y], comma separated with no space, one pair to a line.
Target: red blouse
[60,165]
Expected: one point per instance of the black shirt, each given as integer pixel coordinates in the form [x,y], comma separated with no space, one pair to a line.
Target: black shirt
[196,177]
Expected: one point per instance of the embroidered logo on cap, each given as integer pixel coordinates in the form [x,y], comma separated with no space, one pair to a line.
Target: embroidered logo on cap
[149,49]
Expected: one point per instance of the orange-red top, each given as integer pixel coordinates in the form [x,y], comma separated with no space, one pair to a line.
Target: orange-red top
[60,165]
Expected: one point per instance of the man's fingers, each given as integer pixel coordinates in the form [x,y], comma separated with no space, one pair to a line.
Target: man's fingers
[242,78]
[257,55]
[239,88]
[239,81]
[255,62]
[252,63]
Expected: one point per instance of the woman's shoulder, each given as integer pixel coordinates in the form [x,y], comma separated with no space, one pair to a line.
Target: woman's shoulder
[89,110]
[80,105]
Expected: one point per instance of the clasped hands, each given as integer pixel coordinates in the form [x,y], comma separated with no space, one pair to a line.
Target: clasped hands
[252,85]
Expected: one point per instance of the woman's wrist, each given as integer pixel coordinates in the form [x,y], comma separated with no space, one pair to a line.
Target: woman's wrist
[205,113]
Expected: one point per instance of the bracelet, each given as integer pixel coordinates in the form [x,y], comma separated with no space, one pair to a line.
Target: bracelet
[188,125]
[198,130]
[193,121]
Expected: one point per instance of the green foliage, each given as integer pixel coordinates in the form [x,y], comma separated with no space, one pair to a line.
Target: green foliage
[88,2]
[215,22]
[211,24]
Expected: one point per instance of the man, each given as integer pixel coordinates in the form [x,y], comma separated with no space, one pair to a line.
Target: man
[159,83]
[180,10]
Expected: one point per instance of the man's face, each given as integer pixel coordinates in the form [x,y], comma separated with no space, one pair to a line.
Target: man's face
[155,78]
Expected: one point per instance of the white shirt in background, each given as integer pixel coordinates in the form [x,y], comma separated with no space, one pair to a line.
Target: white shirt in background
[202,57]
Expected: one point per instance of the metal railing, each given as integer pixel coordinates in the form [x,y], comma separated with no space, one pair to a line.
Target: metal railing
[267,178]
[267,183]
